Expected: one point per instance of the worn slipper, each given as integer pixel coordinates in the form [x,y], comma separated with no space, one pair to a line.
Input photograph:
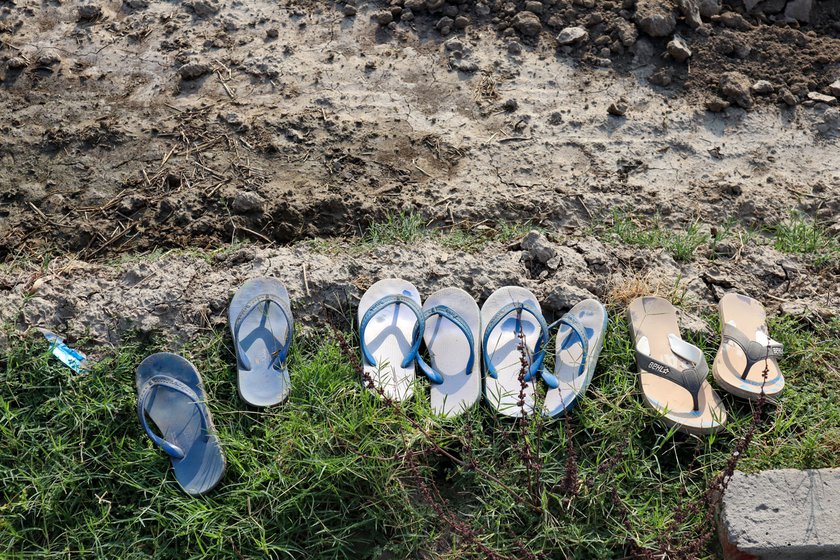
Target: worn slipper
[262,325]
[673,372]
[453,327]
[746,349]
[511,316]
[171,393]
[580,339]
[391,325]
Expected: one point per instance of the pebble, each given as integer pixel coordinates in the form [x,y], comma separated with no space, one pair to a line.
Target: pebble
[349,10]
[247,202]
[821,98]
[572,35]
[834,88]
[787,97]
[534,6]
[618,108]
[678,49]
[762,87]
[383,17]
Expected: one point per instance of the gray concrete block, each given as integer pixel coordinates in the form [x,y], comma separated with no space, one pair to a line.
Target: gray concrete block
[784,514]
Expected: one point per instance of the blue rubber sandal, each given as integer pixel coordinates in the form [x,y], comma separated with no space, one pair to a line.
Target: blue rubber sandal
[262,326]
[580,339]
[391,326]
[170,393]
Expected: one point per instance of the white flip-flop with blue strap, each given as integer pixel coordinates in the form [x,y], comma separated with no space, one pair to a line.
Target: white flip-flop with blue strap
[262,326]
[580,339]
[510,317]
[452,337]
[391,325]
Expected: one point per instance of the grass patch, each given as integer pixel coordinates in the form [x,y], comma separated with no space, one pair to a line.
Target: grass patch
[334,473]
[800,234]
[682,245]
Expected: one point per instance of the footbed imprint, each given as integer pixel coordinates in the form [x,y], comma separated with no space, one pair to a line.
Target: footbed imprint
[260,329]
[655,332]
[568,355]
[502,392]
[179,419]
[388,337]
[449,352]
[748,316]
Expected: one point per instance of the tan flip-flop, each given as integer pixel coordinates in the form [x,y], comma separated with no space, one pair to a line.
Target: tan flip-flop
[746,350]
[673,372]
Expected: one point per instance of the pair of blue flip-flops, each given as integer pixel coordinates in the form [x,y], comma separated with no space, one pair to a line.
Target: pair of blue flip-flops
[393,322]
[171,393]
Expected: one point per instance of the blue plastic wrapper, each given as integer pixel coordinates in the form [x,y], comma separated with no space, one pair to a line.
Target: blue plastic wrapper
[70,357]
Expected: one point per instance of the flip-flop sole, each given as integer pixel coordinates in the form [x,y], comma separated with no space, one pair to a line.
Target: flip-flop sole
[502,393]
[655,318]
[265,329]
[179,421]
[748,315]
[388,337]
[449,351]
[568,353]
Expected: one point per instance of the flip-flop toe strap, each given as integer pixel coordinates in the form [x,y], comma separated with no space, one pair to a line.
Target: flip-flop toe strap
[690,378]
[417,336]
[576,328]
[148,389]
[539,352]
[279,359]
[450,314]
[753,350]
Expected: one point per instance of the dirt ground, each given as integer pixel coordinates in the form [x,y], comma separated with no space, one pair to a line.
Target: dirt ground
[136,126]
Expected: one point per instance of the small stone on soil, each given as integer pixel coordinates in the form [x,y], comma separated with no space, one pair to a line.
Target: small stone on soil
[349,10]
[762,87]
[678,49]
[383,17]
[618,108]
[572,35]
[247,203]
[820,98]
[834,89]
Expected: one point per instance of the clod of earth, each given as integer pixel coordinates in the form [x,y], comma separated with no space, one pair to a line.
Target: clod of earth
[618,108]
[194,70]
[762,87]
[736,87]
[527,23]
[655,17]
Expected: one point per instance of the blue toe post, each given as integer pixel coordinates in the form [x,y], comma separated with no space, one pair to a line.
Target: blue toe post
[539,352]
[279,360]
[419,328]
[449,314]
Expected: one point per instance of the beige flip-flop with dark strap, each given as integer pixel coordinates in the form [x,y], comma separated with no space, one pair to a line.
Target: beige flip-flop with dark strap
[746,350]
[673,372]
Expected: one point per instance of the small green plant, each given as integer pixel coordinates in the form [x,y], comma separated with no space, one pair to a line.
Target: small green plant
[680,244]
[403,227]
[800,234]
